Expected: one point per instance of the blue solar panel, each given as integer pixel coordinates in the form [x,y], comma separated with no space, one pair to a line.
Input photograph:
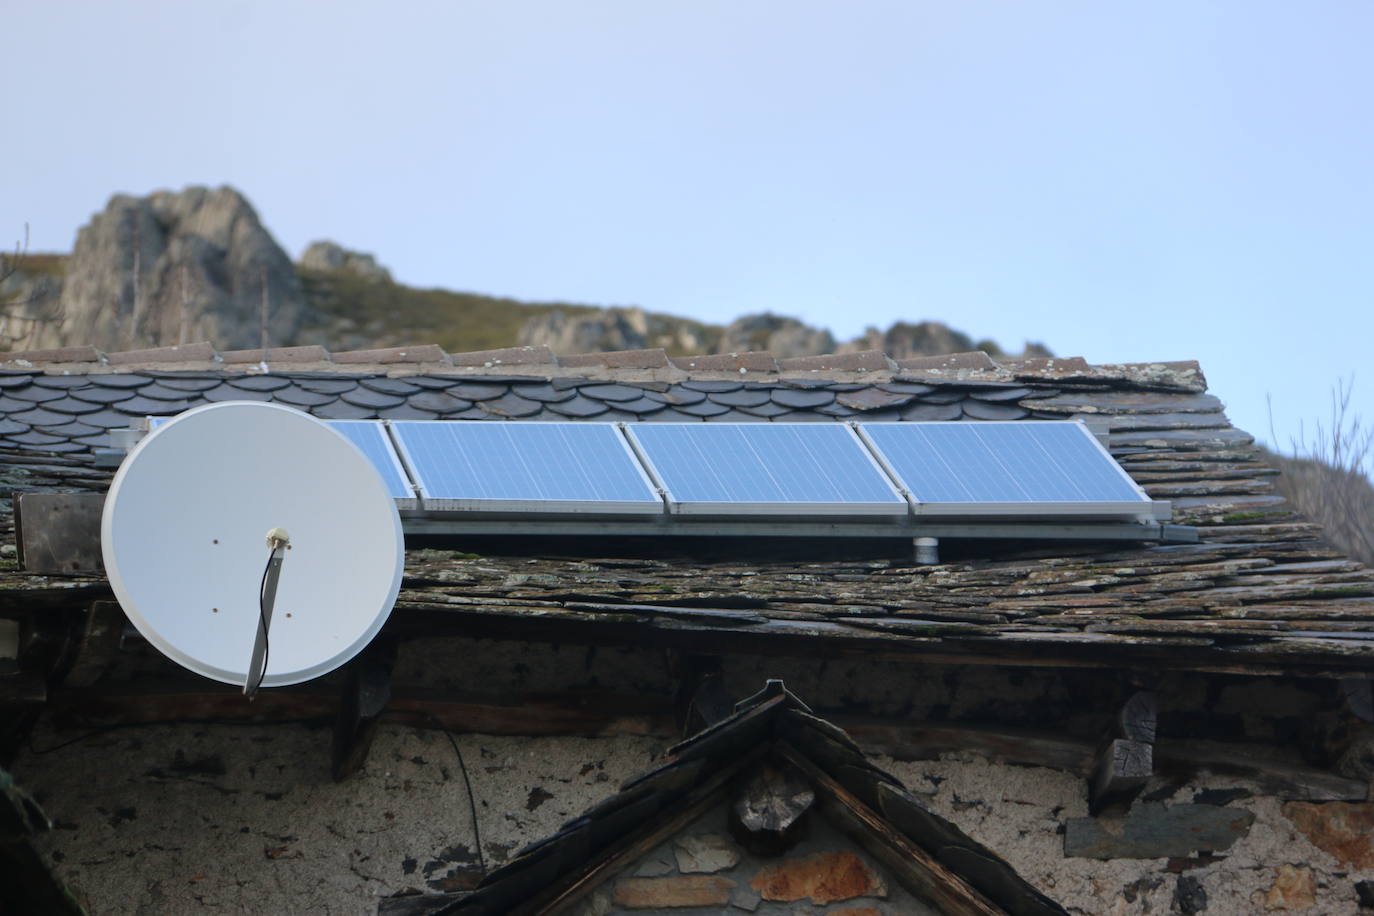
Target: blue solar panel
[484,465]
[766,467]
[371,439]
[1034,466]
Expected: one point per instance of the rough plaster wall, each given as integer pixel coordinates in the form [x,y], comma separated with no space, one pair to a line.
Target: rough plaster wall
[200,819]
[669,863]
[1020,812]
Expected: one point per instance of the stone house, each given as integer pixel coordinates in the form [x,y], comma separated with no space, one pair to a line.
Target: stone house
[1031,724]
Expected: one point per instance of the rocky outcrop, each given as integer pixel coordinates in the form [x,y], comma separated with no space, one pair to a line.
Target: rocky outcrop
[175,267]
[598,330]
[326,255]
[782,336]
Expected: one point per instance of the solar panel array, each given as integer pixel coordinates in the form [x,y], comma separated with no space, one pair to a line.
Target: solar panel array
[1015,470]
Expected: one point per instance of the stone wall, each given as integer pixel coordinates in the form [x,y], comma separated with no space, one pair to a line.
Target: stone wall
[192,818]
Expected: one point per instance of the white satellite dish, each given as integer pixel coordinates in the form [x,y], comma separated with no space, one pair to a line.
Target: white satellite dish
[192,518]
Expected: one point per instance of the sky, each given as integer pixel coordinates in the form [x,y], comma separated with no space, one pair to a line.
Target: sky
[1126,181]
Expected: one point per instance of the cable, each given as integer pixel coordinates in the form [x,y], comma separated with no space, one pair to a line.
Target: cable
[467,783]
[320,721]
[262,619]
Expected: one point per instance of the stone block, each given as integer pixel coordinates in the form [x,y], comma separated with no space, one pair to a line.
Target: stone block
[1294,888]
[705,853]
[1343,829]
[675,892]
[825,877]
[1152,831]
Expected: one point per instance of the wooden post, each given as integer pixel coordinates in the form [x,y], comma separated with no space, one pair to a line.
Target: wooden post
[1125,760]
[367,690]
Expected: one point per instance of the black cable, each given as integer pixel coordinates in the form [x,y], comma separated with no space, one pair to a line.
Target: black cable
[262,619]
[472,802]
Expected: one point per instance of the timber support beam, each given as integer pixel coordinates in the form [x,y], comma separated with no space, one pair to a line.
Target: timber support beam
[1125,760]
[367,690]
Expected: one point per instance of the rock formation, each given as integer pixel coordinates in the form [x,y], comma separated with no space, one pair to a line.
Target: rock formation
[174,267]
[782,336]
[326,255]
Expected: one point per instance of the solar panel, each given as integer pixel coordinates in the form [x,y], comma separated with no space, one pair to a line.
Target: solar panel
[371,439]
[463,465]
[766,468]
[1005,468]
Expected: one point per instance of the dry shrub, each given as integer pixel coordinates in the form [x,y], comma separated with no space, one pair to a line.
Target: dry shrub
[1327,477]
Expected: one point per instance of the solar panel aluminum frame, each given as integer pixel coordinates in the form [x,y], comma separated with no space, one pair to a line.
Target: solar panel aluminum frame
[899,508]
[493,508]
[1144,510]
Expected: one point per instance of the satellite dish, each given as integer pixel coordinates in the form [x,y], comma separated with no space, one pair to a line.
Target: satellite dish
[208,503]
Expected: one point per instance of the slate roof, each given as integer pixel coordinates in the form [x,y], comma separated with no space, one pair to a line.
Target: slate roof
[771,720]
[1260,591]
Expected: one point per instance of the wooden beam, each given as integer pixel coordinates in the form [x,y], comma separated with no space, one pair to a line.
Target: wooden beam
[366,691]
[913,866]
[102,634]
[593,714]
[1125,759]
[768,814]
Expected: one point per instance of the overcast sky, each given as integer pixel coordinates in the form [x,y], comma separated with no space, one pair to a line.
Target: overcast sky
[1123,181]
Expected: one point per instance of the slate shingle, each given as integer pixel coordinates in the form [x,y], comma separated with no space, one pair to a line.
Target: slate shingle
[703,409]
[37,416]
[342,410]
[677,395]
[767,410]
[478,391]
[259,382]
[61,381]
[1000,394]
[406,412]
[579,407]
[390,385]
[329,385]
[511,405]
[108,419]
[299,397]
[926,412]
[227,392]
[984,410]
[544,392]
[802,398]
[160,392]
[376,400]
[712,387]
[742,397]
[441,402]
[128,379]
[184,383]
[71,405]
[99,395]
[873,399]
[139,406]
[74,430]
[35,394]
[640,406]
[9,427]
[611,392]
[34,438]
[16,379]
[907,387]
[433,382]
[943,397]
